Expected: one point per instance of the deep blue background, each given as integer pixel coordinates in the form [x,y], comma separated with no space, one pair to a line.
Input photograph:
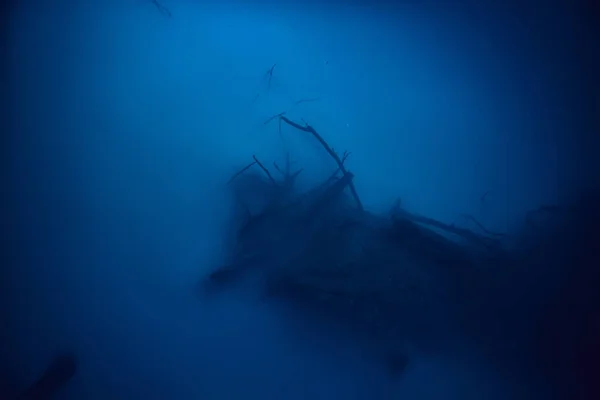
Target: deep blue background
[123,126]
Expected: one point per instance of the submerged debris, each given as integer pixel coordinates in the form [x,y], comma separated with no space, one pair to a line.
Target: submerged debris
[398,280]
[162,9]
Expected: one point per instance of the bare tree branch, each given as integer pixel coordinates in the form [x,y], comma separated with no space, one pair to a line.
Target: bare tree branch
[329,150]
[265,169]
[480,226]
[307,100]
[240,172]
[273,117]
[269,74]
[162,9]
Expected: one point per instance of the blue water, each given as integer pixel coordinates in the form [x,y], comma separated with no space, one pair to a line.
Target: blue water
[126,125]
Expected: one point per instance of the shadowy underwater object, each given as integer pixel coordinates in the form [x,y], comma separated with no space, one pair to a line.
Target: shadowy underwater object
[389,278]
[162,9]
[402,283]
[56,376]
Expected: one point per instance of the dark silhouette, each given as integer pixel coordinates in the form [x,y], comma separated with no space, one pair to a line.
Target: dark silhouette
[56,376]
[269,76]
[162,9]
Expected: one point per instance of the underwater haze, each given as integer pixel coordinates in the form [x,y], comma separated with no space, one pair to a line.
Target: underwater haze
[129,117]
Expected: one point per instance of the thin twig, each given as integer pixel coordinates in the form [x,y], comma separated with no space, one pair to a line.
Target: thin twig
[287,157]
[465,233]
[288,178]
[306,100]
[480,226]
[241,172]
[162,9]
[270,75]
[323,184]
[345,156]
[279,128]
[273,117]
[265,169]
[331,193]
[332,153]
[484,196]
[278,169]
[295,174]
[333,176]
